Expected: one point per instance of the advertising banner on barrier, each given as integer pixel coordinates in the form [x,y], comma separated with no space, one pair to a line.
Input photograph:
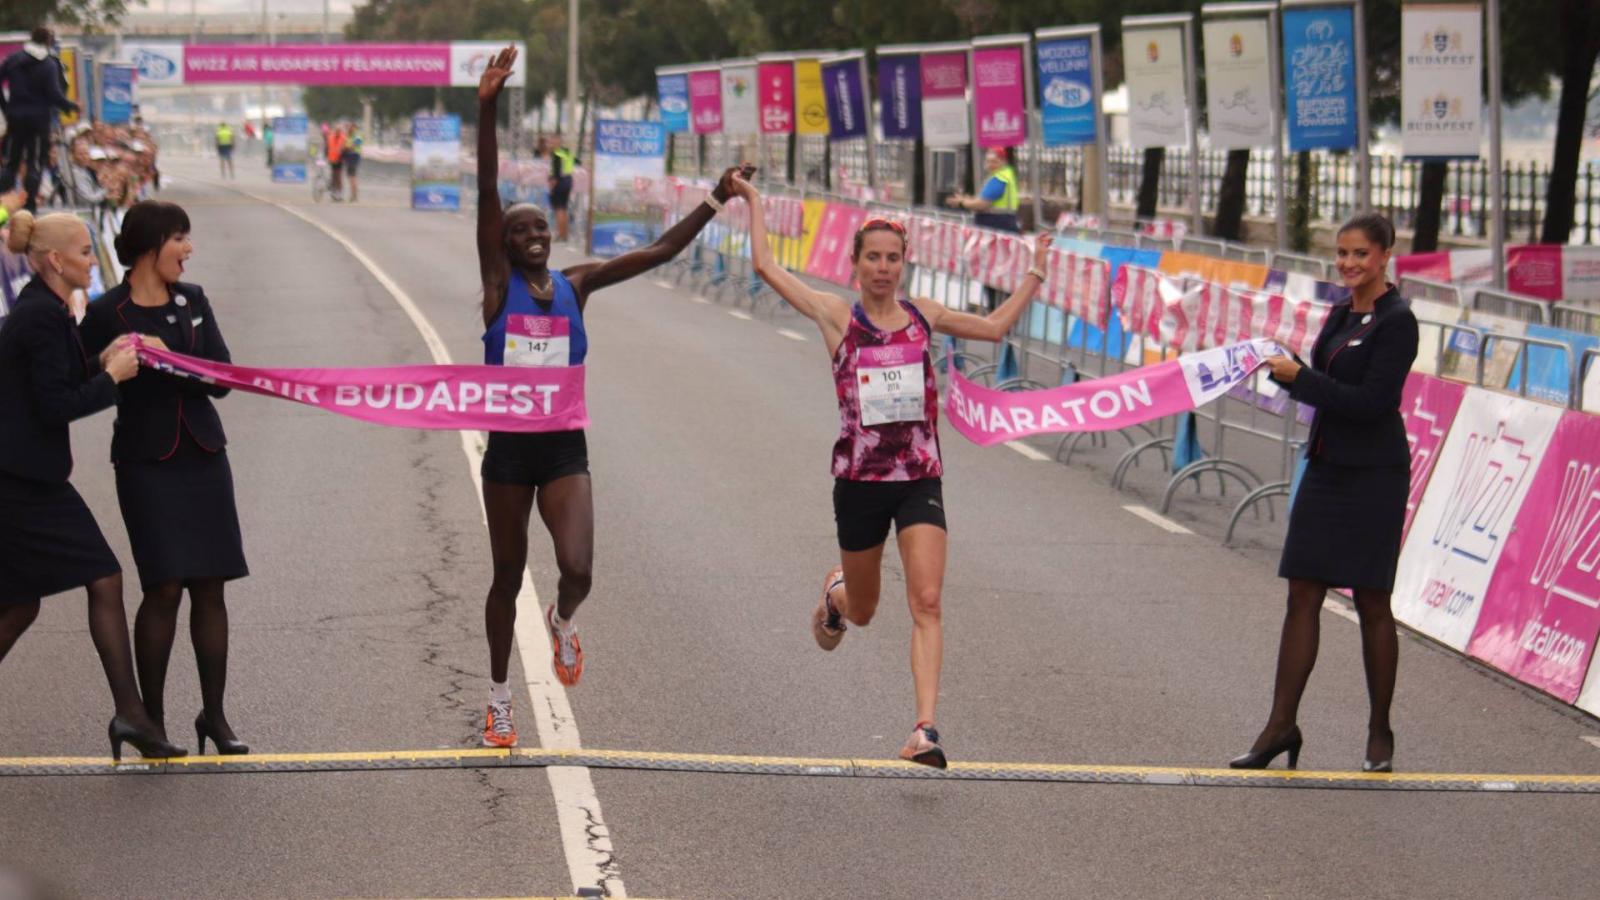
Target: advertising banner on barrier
[117,93]
[1158,103]
[1467,512]
[1068,108]
[944,100]
[986,416]
[1319,65]
[999,97]
[1554,272]
[810,99]
[289,149]
[159,63]
[847,99]
[1186,314]
[1441,74]
[705,101]
[672,93]
[436,162]
[630,170]
[439,398]
[776,92]
[740,105]
[830,252]
[1542,612]
[900,96]
[1429,406]
[1238,84]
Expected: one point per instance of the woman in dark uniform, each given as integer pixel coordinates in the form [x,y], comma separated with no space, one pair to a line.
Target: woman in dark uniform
[173,479]
[1349,512]
[49,541]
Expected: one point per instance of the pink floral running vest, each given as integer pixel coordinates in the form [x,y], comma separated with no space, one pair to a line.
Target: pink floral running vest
[883,434]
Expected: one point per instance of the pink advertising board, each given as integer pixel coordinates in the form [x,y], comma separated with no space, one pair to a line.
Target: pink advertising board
[1534,270]
[1429,406]
[1542,610]
[836,232]
[705,101]
[998,96]
[776,94]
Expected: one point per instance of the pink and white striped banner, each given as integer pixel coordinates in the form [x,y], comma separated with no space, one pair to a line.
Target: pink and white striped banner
[1187,314]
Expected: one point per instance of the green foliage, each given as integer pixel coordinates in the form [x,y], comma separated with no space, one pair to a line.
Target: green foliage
[26,15]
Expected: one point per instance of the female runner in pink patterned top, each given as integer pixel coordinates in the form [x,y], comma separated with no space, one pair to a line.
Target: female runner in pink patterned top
[886,462]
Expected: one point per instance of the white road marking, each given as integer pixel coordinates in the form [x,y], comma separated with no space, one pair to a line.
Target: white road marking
[1338,608]
[792,335]
[585,839]
[740,314]
[699,299]
[1157,519]
[1026,451]
[1591,740]
[664,284]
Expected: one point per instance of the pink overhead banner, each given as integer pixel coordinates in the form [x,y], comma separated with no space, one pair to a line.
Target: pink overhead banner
[986,416]
[318,64]
[998,96]
[446,398]
[705,101]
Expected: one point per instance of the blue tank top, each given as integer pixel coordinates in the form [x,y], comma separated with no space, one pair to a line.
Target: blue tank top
[527,334]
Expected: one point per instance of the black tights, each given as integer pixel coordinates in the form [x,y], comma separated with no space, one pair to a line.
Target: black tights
[567,507]
[108,628]
[1297,654]
[156,627]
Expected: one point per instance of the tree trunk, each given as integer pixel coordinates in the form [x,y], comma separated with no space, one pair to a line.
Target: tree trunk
[1229,224]
[1430,208]
[790,158]
[827,164]
[1300,204]
[1150,184]
[1580,37]
[919,174]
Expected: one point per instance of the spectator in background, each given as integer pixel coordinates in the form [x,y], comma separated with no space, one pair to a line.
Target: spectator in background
[266,138]
[562,164]
[335,151]
[38,89]
[997,202]
[225,149]
[353,144]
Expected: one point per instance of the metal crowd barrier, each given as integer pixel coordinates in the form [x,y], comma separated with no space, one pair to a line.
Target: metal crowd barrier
[1514,306]
[1573,317]
[1304,265]
[1428,289]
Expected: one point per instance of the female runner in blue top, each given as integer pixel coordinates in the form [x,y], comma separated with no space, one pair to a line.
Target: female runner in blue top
[533,316]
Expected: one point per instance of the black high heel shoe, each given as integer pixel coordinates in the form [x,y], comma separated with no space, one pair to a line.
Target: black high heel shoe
[226,747]
[1289,743]
[1384,766]
[149,746]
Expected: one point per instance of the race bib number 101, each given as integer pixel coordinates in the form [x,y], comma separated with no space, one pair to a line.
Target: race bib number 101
[890,384]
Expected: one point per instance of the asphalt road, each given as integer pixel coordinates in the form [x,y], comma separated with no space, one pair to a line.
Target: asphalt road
[1076,633]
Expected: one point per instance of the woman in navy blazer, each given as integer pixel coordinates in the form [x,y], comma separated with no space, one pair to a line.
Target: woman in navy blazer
[49,541]
[1348,517]
[174,483]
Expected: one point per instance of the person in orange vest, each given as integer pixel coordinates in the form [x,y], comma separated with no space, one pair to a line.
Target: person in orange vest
[335,150]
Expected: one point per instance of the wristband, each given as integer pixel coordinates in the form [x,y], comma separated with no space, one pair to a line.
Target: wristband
[1037,273]
[714,203]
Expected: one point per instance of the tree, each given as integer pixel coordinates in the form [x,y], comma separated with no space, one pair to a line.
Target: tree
[26,15]
[1580,47]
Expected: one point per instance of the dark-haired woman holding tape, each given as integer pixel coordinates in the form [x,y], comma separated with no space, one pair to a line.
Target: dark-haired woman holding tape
[1348,517]
[174,483]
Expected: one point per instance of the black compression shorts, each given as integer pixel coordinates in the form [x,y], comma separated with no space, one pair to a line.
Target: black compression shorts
[863,510]
[534,459]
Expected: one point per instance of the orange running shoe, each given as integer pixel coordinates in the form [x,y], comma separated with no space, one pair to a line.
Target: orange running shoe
[566,654]
[498,730]
[827,626]
[923,747]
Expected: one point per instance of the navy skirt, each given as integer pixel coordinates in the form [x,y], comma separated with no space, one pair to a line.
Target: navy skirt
[49,541]
[180,514]
[1346,525]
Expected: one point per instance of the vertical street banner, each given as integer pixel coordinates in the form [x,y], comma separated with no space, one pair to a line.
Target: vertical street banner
[776,80]
[1319,68]
[673,95]
[435,162]
[705,101]
[1068,108]
[1238,83]
[117,93]
[847,101]
[1469,506]
[810,100]
[289,151]
[1158,103]
[1441,73]
[900,96]
[69,66]
[630,170]
[1542,614]
[944,100]
[999,97]
[739,115]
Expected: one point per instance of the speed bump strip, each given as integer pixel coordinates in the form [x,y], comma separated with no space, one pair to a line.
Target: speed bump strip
[715,764]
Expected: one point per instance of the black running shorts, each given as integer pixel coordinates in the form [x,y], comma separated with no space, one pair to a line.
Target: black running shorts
[534,459]
[863,509]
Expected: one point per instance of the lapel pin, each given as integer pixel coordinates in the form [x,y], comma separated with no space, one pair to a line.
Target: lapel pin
[181,300]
